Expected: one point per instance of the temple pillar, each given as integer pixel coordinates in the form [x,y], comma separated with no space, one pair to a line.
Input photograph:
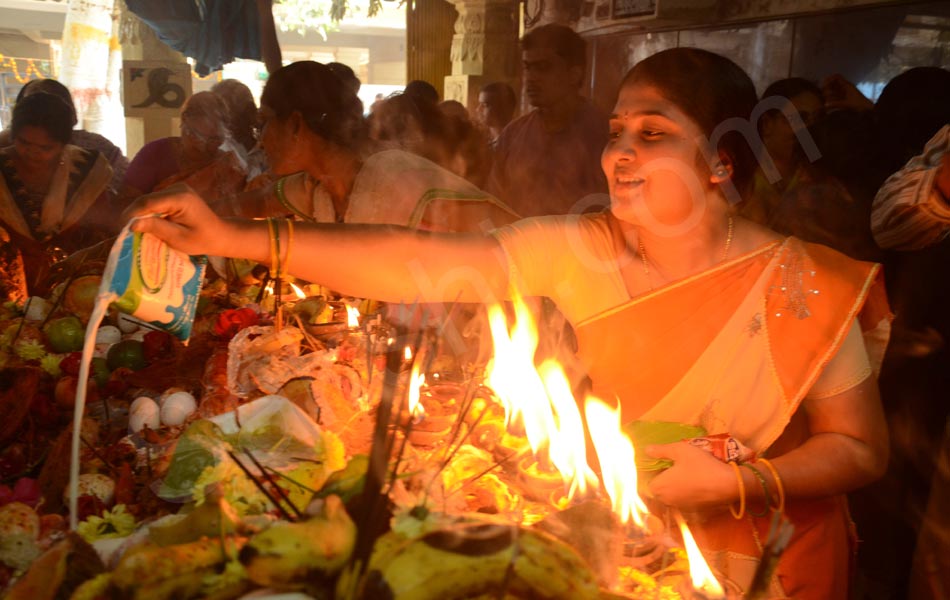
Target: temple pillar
[484,48]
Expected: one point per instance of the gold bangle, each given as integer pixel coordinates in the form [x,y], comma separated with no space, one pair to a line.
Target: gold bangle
[741,512]
[779,486]
[277,269]
[290,240]
[765,491]
[272,239]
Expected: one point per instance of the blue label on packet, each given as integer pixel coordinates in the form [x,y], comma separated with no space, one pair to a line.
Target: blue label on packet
[153,282]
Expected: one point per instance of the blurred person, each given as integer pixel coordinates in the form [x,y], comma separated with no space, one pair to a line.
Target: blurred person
[422,91]
[546,161]
[196,157]
[78,137]
[909,111]
[441,133]
[318,150]
[454,108]
[910,542]
[346,75]
[54,197]
[780,131]
[242,125]
[497,105]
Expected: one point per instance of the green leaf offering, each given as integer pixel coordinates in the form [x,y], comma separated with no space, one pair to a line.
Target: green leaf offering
[653,433]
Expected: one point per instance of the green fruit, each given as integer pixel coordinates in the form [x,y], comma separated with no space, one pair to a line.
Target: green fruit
[127,353]
[65,334]
[99,369]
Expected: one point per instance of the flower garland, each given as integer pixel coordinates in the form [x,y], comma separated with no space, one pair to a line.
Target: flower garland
[32,70]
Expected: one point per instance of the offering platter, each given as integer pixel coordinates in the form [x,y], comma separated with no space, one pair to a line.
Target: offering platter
[260,477]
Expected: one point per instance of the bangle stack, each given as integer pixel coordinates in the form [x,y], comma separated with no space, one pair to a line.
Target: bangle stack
[278,268]
[770,504]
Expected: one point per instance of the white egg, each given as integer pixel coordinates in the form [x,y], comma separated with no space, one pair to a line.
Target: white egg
[126,324]
[144,411]
[108,334]
[138,335]
[101,350]
[177,407]
[37,308]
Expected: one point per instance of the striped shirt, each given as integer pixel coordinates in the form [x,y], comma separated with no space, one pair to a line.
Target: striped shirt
[909,212]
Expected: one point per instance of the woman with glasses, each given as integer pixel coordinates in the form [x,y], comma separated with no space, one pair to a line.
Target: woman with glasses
[195,157]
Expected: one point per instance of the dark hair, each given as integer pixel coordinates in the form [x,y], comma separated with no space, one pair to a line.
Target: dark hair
[329,107]
[565,42]
[710,89]
[346,75]
[49,86]
[791,87]
[46,111]
[422,90]
[503,91]
[911,109]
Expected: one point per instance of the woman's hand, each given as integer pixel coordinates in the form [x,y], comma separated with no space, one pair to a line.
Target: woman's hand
[696,480]
[181,218]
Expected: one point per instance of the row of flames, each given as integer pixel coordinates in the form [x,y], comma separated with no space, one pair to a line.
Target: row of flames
[541,400]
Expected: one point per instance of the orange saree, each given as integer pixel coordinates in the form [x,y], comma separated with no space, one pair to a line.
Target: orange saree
[736,349]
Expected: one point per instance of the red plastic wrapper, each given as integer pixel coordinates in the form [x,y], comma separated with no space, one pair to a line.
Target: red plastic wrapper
[724,447]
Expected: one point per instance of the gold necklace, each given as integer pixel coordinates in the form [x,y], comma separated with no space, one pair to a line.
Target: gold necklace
[730,229]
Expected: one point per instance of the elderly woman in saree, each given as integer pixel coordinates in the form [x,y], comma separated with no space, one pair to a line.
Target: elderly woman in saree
[195,158]
[325,170]
[684,312]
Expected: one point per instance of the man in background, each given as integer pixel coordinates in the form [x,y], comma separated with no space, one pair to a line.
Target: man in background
[547,162]
[496,107]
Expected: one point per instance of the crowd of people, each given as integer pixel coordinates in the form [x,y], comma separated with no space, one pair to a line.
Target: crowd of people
[710,277]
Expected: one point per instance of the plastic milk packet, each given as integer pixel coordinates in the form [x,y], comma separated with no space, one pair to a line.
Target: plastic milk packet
[153,282]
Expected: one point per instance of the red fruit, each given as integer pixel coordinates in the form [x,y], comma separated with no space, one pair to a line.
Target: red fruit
[156,344]
[12,461]
[88,505]
[44,410]
[65,392]
[70,364]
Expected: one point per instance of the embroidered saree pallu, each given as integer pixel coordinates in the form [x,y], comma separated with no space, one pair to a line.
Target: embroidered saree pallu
[735,350]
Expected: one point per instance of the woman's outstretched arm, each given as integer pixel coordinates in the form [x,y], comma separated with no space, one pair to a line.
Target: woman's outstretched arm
[385,262]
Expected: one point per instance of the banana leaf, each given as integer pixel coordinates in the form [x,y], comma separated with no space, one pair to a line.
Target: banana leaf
[653,433]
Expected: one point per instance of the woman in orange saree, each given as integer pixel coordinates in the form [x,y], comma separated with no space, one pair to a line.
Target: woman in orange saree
[684,312]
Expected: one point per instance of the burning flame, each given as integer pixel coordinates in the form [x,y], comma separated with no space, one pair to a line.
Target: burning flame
[407,352]
[297,291]
[352,316]
[701,575]
[542,401]
[416,380]
[617,461]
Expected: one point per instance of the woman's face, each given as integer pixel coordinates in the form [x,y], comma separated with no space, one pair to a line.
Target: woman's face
[36,147]
[278,142]
[653,161]
[202,136]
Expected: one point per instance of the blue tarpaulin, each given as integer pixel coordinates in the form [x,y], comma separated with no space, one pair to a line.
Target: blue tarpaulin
[212,32]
